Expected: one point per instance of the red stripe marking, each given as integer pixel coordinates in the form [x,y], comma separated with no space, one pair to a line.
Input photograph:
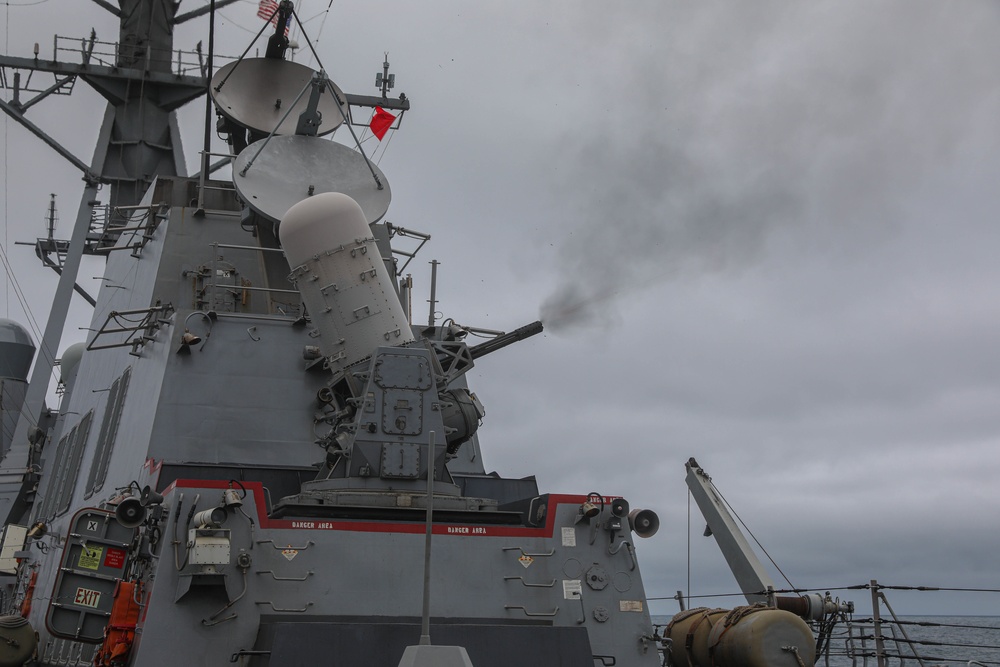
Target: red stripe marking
[381,526]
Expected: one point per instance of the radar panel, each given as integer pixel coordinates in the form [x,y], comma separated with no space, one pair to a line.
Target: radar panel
[255,93]
[291,168]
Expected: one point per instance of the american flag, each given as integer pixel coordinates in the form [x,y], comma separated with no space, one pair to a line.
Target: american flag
[268,9]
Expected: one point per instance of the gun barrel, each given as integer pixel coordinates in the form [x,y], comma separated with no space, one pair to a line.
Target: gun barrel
[503,340]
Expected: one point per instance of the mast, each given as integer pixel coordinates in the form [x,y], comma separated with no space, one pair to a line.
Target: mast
[144,87]
[50,222]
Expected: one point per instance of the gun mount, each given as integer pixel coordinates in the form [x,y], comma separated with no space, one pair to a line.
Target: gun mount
[394,405]
[503,340]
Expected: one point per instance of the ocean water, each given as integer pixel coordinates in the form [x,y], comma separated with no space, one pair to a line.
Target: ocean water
[938,640]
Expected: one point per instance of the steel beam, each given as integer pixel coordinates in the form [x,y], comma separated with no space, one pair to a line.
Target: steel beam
[747,568]
[16,114]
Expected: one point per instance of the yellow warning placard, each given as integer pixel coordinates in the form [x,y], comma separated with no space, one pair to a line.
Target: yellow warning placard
[90,557]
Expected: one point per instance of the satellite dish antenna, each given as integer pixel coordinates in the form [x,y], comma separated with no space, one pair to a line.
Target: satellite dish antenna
[292,168]
[255,93]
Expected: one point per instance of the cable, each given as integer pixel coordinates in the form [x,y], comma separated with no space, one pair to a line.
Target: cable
[688,545]
[716,595]
[220,13]
[940,588]
[785,577]
[210,621]
[252,524]
[6,49]
[322,25]
[385,147]
[932,624]
[931,642]
[242,488]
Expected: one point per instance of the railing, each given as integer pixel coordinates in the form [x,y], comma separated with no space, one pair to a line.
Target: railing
[205,185]
[94,52]
[107,225]
[220,285]
[114,54]
[886,638]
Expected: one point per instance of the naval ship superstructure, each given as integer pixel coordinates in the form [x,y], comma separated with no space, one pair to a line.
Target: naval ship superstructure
[253,439]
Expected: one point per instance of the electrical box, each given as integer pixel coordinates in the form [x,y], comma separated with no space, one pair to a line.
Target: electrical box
[11,543]
[209,546]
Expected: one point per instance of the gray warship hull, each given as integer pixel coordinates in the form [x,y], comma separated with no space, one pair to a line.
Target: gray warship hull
[232,478]
[321,580]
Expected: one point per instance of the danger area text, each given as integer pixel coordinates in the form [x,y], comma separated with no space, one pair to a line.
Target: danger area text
[467,530]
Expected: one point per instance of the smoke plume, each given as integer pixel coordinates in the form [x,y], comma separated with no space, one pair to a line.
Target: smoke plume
[812,121]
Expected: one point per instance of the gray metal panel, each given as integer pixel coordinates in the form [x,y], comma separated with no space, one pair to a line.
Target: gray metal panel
[106,436]
[11,399]
[215,407]
[74,457]
[130,282]
[315,572]
[378,643]
[493,486]
[243,394]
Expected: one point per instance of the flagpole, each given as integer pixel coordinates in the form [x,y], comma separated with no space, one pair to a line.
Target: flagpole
[208,98]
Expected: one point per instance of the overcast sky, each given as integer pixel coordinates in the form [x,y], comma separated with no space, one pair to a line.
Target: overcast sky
[761,234]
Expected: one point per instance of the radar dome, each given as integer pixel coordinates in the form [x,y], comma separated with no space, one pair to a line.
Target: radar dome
[70,360]
[343,280]
[16,350]
[320,223]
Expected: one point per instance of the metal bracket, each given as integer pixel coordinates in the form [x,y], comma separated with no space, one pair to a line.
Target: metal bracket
[137,325]
[532,613]
[281,547]
[285,609]
[525,583]
[532,555]
[277,578]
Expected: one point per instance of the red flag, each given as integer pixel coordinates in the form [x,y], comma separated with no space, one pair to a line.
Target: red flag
[381,122]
